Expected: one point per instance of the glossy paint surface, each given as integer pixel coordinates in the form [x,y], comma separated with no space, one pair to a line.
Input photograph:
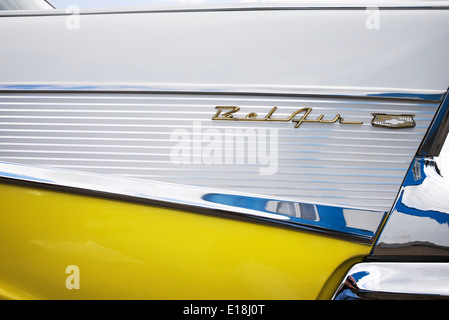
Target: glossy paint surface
[307,47]
[134,251]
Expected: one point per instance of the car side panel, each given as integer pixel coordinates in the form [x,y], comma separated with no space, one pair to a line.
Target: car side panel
[132,251]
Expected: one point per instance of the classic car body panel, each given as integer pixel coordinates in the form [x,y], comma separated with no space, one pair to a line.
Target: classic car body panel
[282,47]
[171,138]
[109,153]
[132,251]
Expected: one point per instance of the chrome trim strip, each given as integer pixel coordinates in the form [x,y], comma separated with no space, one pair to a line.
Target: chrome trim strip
[436,135]
[225,89]
[359,225]
[274,6]
[371,281]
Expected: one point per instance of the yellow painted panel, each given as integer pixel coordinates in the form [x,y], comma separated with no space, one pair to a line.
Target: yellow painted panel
[132,251]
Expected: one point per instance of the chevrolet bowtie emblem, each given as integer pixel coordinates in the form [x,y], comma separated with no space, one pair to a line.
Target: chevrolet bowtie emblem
[394,121]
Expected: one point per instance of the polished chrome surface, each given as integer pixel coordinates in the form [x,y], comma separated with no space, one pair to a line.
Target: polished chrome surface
[387,281]
[349,223]
[229,89]
[418,226]
[234,5]
[172,138]
[436,136]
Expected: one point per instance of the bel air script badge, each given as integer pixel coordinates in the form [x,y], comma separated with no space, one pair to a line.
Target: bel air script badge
[393,121]
[299,116]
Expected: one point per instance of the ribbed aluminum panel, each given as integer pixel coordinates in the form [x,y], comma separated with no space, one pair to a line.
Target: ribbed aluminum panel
[171,138]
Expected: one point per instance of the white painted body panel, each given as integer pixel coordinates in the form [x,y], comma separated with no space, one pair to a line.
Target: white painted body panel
[299,47]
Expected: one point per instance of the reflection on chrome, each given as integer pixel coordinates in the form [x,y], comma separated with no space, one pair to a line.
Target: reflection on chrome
[419,223]
[366,281]
[349,223]
[204,88]
[293,209]
[356,222]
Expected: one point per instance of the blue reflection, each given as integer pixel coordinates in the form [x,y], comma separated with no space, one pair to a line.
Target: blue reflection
[320,216]
[416,174]
[440,217]
[436,97]
[359,275]
[23,177]
[415,177]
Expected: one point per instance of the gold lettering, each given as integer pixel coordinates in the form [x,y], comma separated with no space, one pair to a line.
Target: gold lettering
[252,116]
[226,116]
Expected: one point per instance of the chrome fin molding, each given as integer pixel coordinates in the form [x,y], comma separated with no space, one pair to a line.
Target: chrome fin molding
[417,228]
[325,173]
[226,89]
[347,223]
[272,6]
[395,281]
[163,133]
[410,260]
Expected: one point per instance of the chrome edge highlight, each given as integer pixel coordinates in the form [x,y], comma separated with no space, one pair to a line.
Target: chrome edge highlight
[395,281]
[436,135]
[417,227]
[224,89]
[321,218]
[393,5]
